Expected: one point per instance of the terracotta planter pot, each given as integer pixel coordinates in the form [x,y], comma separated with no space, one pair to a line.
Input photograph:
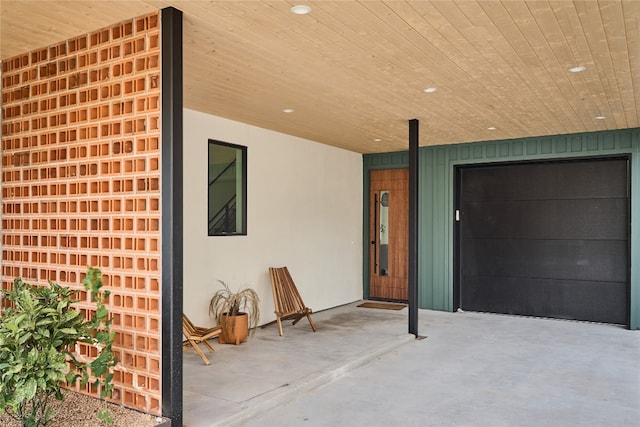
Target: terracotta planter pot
[235,329]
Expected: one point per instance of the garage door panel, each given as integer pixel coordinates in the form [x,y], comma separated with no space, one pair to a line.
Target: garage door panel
[546,219]
[570,299]
[594,260]
[540,181]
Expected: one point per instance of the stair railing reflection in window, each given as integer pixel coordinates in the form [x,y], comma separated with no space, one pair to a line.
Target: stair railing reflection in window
[227,189]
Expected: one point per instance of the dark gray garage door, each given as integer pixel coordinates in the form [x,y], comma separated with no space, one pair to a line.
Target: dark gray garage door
[545,239]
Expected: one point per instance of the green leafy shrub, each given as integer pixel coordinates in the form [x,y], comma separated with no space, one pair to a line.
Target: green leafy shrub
[38,337]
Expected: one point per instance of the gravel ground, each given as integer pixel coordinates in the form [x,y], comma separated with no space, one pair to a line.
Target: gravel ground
[79,410]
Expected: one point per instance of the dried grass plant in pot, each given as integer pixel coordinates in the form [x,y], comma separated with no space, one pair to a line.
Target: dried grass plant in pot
[237,313]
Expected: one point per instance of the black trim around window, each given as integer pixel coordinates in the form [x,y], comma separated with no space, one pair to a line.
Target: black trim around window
[226,209]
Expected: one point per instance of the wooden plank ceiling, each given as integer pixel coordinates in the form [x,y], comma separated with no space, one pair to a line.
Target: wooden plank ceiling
[354,72]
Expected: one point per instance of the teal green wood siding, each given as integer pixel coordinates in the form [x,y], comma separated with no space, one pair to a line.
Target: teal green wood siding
[436,203]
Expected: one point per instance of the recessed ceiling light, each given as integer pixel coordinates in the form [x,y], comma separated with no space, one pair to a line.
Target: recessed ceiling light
[377,140]
[601,117]
[300,9]
[577,69]
[430,89]
[288,110]
[492,128]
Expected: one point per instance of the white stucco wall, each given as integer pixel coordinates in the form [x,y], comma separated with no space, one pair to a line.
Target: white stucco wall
[304,211]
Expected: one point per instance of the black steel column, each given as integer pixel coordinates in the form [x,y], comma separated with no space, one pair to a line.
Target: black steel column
[171,196]
[413,226]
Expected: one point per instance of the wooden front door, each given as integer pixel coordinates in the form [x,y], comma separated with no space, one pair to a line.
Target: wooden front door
[388,234]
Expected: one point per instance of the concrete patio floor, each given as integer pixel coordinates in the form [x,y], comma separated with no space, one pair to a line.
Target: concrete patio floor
[362,369]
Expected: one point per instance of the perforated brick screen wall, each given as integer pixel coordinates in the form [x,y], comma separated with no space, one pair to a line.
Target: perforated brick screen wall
[81,184]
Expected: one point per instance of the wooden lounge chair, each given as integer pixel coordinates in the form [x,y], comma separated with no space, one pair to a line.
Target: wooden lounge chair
[286,299]
[195,335]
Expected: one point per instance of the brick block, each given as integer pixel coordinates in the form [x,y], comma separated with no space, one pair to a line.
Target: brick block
[122,30]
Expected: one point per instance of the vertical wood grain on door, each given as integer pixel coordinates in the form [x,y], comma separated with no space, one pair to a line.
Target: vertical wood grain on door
[392,283]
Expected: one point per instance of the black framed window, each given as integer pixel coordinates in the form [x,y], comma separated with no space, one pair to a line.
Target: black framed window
[227,189]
